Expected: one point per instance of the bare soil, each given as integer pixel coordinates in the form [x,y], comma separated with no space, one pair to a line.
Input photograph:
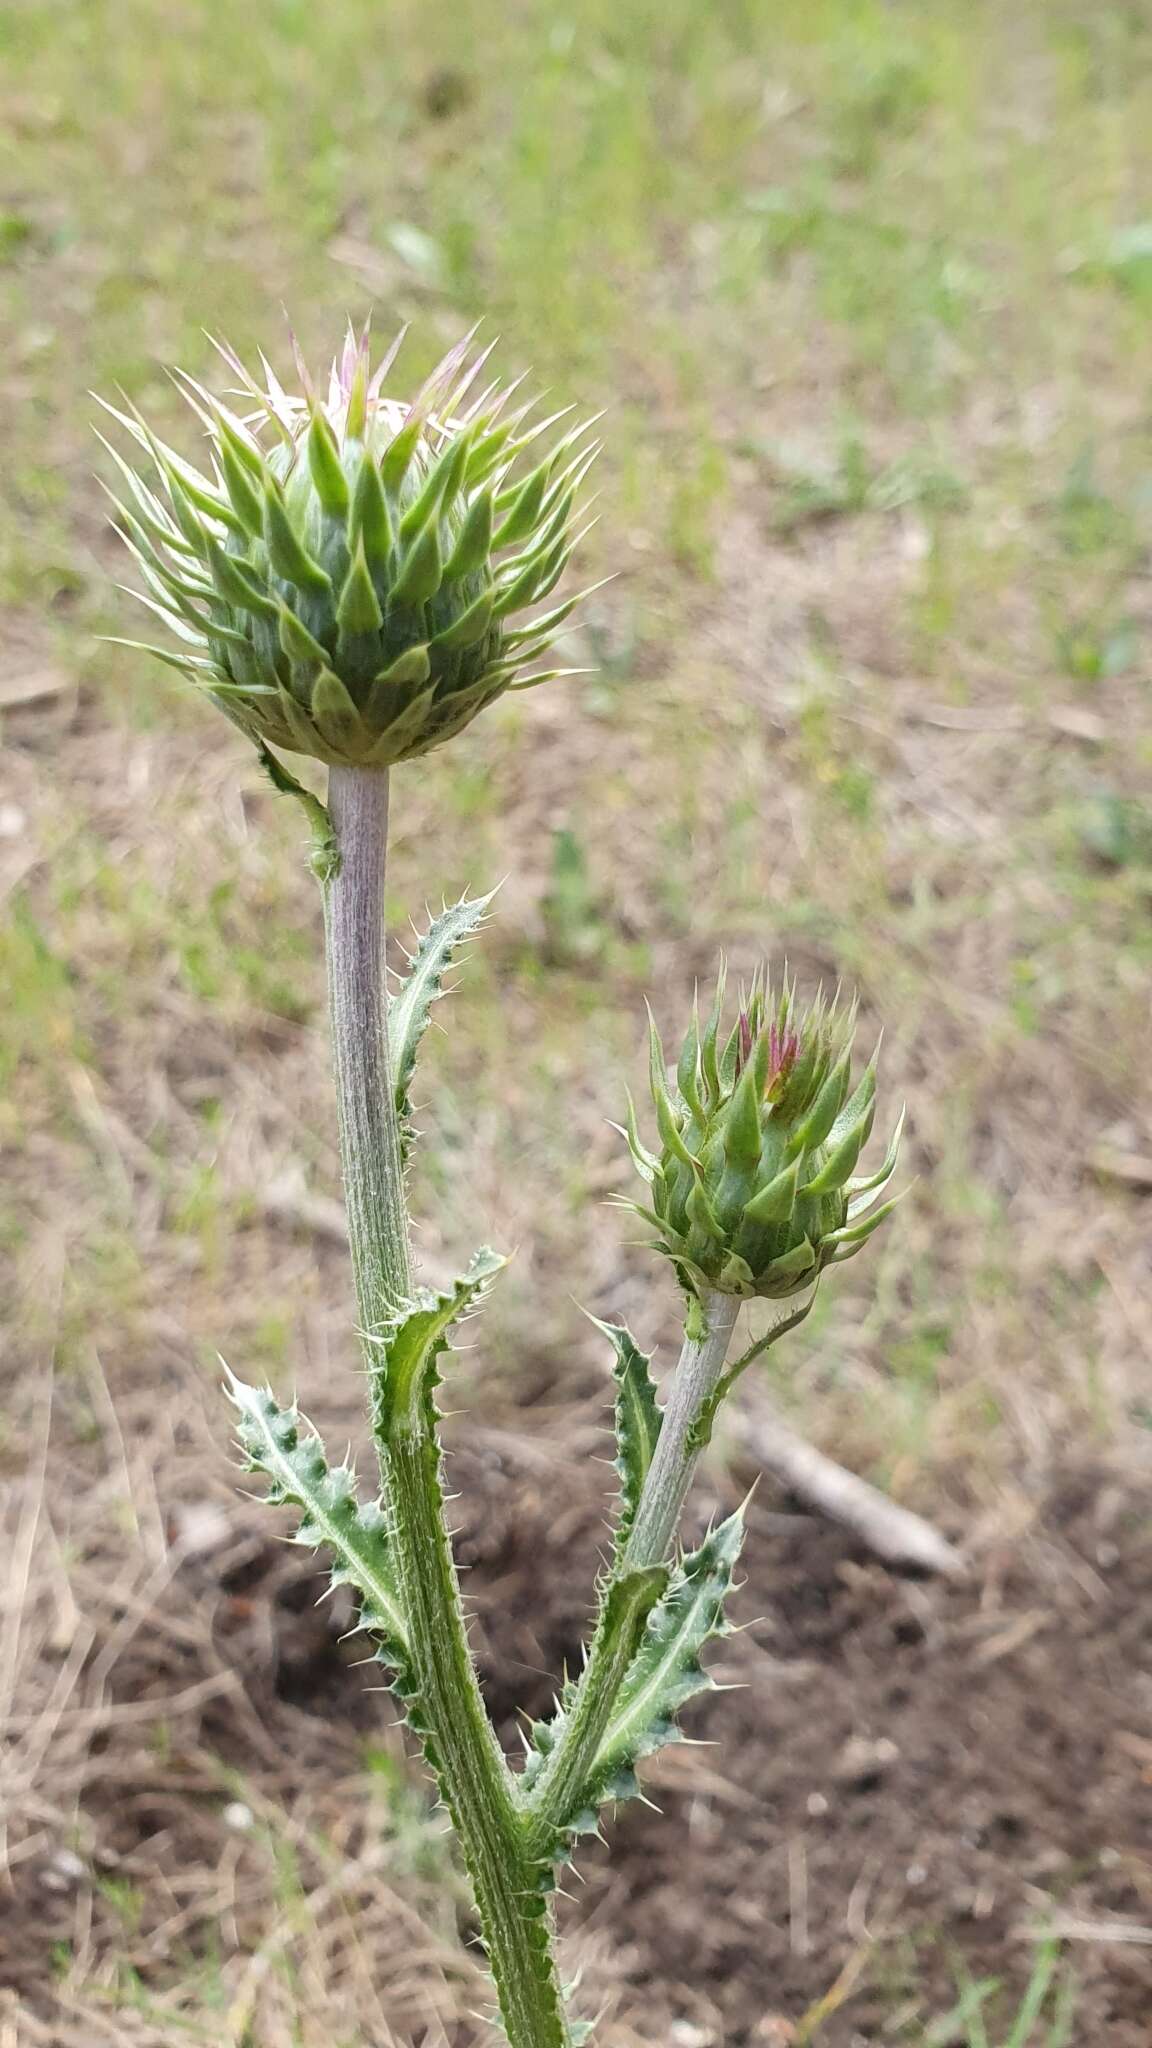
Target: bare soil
[904,1776]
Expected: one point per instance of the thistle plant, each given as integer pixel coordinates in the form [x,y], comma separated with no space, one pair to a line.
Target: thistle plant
[343,577]
[346,576]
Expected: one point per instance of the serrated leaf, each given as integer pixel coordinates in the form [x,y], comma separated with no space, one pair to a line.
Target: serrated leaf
[666,1671]
[404,1369]
[280,1444]
[663,1673]
[558,1779]
[424,983]
[638,1421]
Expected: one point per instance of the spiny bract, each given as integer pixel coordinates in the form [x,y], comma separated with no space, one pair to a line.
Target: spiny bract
[753,1192]
[343,578]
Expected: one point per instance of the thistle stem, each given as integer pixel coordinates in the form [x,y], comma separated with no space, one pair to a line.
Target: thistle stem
[369,1132]
[445,1704]
[670,1473]
[661,1504]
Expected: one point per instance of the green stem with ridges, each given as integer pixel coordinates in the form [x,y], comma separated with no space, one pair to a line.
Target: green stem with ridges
[446,1704]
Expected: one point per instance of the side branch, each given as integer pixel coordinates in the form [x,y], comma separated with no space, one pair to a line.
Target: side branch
[670,1474]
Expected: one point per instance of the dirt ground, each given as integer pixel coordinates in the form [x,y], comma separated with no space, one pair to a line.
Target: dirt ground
[865,288]
[905,1776]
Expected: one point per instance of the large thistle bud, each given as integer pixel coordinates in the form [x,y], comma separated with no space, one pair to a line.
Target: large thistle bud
[754,1191]
[343,576]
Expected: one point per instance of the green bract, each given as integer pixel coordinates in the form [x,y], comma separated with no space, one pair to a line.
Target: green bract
[754,1191]
[343,575]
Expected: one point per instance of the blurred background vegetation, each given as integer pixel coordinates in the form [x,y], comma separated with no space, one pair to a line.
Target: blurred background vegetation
[866,291]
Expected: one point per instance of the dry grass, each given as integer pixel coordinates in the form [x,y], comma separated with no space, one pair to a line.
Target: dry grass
[873,694]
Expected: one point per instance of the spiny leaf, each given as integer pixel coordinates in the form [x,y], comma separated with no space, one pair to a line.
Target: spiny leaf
[558,1771]
[666,1671]
[663,1673]
[409,1009]
[404,1372]
[638,1420]
[278,1443]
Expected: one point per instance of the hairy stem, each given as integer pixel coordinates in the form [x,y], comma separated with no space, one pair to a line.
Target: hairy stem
[670,1473]
[369,1132]
[446,1706]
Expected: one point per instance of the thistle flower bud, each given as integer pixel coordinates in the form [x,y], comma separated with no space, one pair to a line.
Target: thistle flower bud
[754,1191]
[342,577]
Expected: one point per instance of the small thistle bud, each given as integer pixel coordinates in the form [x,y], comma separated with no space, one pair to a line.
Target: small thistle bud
[342,578]
[754,1191]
